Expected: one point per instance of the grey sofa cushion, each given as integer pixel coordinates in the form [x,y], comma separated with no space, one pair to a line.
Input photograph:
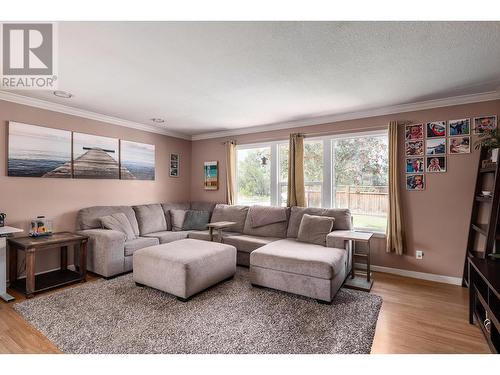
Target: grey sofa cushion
[119,222]
[203,206]
[289,255]
[246,243]
[89,218]
[265,215]
[342,218]
[270,230]
[150,218]
[204,235]
[196,220]
[177,218]
[173,206]
[168,236]
[224,212]
[139,243]
[314,229]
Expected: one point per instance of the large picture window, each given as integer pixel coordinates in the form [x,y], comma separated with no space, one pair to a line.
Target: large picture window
[348,171]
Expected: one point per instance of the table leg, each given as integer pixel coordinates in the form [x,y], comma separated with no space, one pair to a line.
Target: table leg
[64,258]
[83,260]
[368,276]
[353,273]
[211,234]
[30,273]
[12,264]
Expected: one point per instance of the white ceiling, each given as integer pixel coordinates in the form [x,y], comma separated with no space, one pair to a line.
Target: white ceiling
[216,76]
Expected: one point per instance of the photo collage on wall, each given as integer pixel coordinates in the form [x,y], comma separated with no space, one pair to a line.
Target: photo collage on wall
[428,144]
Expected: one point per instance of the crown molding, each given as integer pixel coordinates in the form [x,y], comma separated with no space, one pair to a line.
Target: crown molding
[400,108]
[56,107]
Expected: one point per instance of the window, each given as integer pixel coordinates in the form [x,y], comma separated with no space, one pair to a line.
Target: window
[360,179]
[341,172]
[253,176]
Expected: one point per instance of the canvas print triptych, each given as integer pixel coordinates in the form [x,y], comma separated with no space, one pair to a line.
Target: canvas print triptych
[37,151]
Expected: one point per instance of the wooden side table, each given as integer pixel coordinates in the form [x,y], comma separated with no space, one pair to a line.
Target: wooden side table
[219,226]
[358,282]
[31,246]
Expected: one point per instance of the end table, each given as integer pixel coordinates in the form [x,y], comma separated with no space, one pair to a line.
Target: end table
[33,245]
[354,281]
[219,226]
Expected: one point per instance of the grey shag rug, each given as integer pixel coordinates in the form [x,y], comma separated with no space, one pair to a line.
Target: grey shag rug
[115,316]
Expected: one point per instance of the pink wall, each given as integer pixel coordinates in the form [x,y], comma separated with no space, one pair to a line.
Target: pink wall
[436,219]
[22,198]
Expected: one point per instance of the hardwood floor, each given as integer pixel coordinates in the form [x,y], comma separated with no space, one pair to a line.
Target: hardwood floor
[417,316]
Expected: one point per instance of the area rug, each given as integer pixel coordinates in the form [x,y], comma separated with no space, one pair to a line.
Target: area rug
[115,316]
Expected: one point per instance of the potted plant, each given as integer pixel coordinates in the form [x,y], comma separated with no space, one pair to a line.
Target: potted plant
[490,140]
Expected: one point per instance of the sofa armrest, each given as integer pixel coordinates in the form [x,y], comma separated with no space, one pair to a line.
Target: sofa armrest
[334,240]
[106,251]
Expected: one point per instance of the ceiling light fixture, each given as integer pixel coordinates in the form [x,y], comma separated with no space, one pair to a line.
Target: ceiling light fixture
[158,120]
[63,94]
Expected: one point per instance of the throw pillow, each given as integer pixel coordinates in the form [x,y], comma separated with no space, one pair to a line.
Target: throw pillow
[196,220]
[314,229]
[177,219]
[118,222]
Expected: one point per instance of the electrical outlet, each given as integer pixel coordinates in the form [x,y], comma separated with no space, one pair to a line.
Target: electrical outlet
[419,254]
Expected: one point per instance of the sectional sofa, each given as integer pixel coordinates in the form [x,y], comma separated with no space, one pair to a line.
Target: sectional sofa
[275,257]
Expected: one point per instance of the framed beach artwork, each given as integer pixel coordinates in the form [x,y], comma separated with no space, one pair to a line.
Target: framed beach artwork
[485,123]
[211,175]
[415,182]
[137,161]
[459,127]
[435,164]
[415,165]
[414,132]
[435,146]
[458,145]
[436,129]
[414,148]
[95,157]
[175,160]
[37,151]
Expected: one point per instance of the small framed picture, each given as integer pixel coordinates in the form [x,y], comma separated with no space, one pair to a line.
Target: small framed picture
[459,127]
[211,175]
[435,146]
[435,164]
[414,132]
[436,129]
[415,165]
[459,145]
[485,123]
[175,160]
[415,182]
[414,148]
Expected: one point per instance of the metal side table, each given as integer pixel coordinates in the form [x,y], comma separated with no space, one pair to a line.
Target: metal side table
[4,232]
[355,281]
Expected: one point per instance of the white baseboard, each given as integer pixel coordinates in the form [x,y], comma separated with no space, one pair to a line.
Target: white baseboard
[416,275]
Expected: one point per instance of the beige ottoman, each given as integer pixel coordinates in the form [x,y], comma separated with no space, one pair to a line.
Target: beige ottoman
[185,267]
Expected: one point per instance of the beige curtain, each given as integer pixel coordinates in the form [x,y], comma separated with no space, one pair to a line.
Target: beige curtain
[230,171]
[296,190]
[395,229]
